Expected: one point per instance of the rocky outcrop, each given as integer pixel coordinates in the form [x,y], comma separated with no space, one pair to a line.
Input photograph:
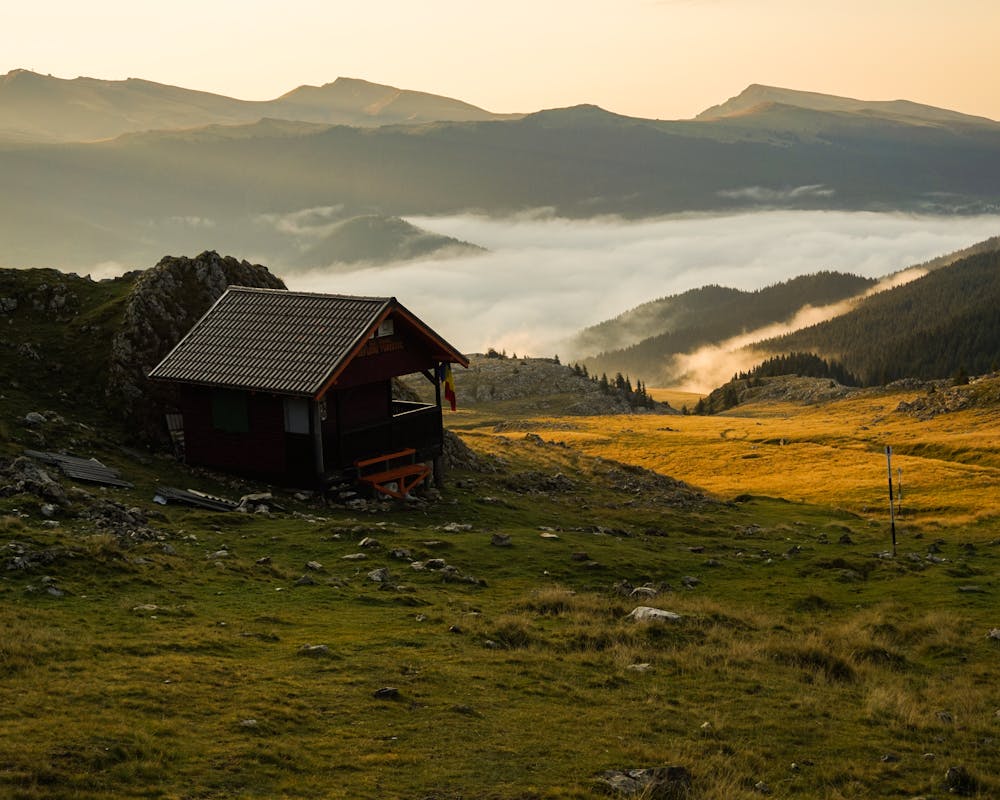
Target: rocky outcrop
[165,302]
[542,385]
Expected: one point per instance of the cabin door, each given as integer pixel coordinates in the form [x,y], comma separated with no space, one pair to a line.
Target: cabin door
[300,463]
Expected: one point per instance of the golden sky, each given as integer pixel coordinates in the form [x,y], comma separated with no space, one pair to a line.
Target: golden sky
[665,59]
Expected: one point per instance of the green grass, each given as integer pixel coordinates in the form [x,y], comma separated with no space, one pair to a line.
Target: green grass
[792,648]
[164,670]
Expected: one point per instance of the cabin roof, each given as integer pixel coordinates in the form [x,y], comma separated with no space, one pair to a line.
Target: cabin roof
[283,342]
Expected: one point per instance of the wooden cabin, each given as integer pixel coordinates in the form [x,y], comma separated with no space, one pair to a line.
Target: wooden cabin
[296,387]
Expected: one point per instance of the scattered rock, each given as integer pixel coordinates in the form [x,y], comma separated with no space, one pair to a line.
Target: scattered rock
[369,542]
[501,540]
[654,783]
[314,650]
[649,614]
[315,566]
[456,527]
[354,557]
[959,780]
[762,787]
[33,419]
[380,575]
[642,667]
[647,592]
[690,581]
[386,693]
[579,556]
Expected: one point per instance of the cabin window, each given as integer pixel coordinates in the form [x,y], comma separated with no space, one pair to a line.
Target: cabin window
[229,411]
[296,415]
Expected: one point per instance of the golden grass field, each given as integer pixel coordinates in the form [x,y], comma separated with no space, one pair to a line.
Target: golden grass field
[830,454]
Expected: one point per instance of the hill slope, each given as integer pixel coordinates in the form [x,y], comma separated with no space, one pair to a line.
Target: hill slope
[947,321]
[373,240]
[707,316]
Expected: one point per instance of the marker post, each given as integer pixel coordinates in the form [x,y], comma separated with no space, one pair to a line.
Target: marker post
[892,508]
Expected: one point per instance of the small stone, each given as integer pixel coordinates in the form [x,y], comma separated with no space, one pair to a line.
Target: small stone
[643,667]
[380,575]
[648,614]
[306,580]
[263,561]
[217,555]
[47,510]
[690,581]
[248,723]
[314,650]
[889,758]
[435,563]
[314,565]
[456,527]
[549,535]
[762,787]
[368,541]
[386,693]
[33,418]
[994,634]
[580,556]
[501,540]
[845,538]
[647,592]
[959,780]
[354,557]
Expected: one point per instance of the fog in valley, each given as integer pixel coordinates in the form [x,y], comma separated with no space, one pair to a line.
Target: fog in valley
[545,278]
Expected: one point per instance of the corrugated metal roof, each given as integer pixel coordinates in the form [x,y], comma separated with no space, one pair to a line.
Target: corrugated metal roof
[271,339]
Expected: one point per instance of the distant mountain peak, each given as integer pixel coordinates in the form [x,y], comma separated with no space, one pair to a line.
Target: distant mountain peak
[758,96]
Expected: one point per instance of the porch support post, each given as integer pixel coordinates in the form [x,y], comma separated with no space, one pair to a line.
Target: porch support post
[317,432]
[438,464]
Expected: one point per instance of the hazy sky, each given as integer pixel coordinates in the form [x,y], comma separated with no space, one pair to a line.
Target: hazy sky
[654,58]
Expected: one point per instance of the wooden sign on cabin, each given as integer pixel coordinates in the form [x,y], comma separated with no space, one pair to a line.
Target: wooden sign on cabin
[297,387]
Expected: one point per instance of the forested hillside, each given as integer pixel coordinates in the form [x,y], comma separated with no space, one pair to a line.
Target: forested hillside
[708,315]
[946,322]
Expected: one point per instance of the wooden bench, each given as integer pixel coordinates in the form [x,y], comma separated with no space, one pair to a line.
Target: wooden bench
[384,475]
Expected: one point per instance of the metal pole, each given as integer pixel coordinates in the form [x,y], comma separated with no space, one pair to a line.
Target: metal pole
[892,508]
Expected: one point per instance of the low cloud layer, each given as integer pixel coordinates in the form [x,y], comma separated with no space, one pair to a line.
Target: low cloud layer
[546,278]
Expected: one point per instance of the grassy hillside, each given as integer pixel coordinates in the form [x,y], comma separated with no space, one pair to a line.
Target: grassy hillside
[477,642]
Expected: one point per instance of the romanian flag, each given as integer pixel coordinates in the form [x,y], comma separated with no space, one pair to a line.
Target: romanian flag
[448,381]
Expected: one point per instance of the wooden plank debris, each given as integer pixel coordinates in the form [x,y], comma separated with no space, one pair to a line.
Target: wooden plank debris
[82,469]
[192,497]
